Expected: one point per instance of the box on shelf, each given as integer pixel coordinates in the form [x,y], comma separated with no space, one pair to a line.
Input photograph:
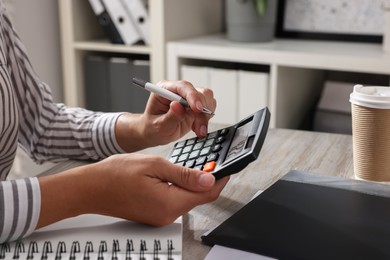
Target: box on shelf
[238,92]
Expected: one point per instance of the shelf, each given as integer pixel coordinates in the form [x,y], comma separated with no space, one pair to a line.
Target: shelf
[79,29]
[357,57]
[297,67]
[105,46]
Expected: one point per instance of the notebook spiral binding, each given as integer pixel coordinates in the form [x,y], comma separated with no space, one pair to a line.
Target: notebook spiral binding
[47,252]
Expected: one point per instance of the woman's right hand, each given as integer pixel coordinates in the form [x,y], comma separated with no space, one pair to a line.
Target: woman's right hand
[141,188]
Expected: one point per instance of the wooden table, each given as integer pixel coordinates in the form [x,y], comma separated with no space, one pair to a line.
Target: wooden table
[283,150]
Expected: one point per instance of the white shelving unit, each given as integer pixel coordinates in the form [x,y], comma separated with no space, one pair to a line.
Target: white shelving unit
[170,20]
[296,67]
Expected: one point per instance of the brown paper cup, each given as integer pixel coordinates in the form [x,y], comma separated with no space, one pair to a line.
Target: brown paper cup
[371,132]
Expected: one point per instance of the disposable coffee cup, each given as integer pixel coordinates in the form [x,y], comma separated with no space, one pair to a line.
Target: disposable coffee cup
[371,132]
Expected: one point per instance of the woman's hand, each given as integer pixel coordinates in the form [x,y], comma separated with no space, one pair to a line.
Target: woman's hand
[165,121]
[141,188]
[152,190]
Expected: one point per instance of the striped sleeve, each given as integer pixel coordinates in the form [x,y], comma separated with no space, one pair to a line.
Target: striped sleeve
[47,131]
[103,135]
[19,206]
[73,133]
[50,131]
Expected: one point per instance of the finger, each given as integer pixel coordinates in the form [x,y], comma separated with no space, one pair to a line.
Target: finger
[186,90]
[208,95]
[184,200]
[176,113]
[187,178]
[202,119]
[194,180]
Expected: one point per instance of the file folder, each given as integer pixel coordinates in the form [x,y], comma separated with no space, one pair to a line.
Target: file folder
[123,96]
[105,22]
[139,15]
[122,21]
[96,83]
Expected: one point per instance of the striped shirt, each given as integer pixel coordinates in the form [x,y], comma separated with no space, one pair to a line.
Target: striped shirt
[47,131]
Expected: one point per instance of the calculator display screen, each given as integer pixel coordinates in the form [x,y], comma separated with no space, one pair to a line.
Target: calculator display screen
[238,142]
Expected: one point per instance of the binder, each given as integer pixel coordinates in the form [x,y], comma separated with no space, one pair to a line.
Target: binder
[122,21]
[98,237]
[123,95]
[96,82]
[309,216]
[140,17]
[105,22]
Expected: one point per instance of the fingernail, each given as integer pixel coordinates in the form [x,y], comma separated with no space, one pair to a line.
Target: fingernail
[206,180]
[203,130]
[199,105]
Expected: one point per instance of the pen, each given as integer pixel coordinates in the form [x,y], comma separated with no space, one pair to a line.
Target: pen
[166,93]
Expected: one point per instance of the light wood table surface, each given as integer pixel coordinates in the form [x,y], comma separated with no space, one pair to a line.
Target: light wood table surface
[283,150]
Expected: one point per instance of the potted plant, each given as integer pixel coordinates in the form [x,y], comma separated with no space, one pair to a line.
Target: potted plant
[261,6]
[250,20]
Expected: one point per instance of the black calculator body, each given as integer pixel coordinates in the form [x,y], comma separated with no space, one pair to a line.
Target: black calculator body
[225,151]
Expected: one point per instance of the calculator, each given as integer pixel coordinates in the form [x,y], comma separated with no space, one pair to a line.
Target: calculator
[225,151]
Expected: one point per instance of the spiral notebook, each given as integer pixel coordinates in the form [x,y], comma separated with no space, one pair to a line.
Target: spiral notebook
[98,237]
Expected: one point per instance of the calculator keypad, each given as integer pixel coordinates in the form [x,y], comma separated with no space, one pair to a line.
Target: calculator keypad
[198,153]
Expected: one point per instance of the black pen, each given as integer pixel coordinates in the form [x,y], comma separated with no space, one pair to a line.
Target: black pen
[166,94]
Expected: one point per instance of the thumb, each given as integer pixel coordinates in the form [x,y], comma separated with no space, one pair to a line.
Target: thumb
[176,113]
[190,179]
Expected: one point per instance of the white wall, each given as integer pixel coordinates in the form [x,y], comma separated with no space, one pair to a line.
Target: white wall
[37,23]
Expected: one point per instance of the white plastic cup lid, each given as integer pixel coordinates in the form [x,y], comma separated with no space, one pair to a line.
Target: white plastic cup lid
[371,96]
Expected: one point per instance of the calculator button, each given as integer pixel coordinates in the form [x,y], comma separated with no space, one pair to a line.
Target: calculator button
[190,163]
[201,160]
[210,166]
[220,139]
[197,146]
[224,131]
[173,159]
[212,135]
[183,157]
[201,140]
[205,151]
[187,149]
[194,154]
[212,157]
[180,144]
[180,163]
[216,148]
[198,167]
[176,152]
[209,142]
[191,141]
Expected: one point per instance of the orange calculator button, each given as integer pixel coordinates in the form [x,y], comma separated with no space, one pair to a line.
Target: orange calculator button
[209,167]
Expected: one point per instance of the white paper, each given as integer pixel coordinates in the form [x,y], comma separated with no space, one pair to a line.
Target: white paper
[226,253]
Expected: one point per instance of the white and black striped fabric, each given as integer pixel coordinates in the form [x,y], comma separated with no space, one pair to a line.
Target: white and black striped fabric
[46,130]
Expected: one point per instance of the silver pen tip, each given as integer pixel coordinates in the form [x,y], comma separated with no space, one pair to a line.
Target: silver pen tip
[208,111]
